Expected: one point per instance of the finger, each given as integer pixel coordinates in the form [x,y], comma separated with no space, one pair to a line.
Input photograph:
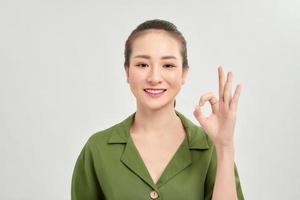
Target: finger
[212,100]
[205,97]
[235,98]
[221,82]
[199,115]
[227,89]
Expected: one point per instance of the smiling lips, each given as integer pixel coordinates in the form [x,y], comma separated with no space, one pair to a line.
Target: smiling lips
[155,92]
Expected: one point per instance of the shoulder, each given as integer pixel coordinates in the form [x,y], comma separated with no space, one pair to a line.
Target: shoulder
[102,136]
[203,136]
[117,133]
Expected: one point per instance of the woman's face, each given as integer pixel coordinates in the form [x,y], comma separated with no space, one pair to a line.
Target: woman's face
[155,63]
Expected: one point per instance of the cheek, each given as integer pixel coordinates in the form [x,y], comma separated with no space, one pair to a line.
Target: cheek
[136,79]
[175,80]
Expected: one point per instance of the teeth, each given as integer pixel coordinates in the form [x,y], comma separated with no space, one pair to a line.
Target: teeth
[155,91]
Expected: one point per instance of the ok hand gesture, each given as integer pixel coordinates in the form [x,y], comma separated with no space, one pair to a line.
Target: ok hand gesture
[219,125]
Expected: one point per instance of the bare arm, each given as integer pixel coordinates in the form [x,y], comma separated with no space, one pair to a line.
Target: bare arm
[225,187]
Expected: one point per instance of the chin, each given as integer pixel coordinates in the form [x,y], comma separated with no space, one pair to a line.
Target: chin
[154,105]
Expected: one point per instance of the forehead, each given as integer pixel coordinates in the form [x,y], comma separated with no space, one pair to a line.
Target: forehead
[156,43]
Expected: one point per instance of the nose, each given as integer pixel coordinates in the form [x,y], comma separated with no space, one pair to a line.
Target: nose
[154,75]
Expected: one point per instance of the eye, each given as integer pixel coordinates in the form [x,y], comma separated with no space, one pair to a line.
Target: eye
[141,65]
[169,65]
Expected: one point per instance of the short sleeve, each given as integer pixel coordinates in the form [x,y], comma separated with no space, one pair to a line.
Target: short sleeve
[211,175]
[85,184]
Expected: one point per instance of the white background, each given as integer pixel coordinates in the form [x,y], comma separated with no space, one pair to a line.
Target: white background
[62,79]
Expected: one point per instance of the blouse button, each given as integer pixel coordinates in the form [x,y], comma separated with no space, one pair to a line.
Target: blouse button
[153,194]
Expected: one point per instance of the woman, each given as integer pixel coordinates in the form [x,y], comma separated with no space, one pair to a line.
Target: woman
[156,152]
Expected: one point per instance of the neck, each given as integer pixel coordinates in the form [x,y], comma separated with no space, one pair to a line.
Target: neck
[156,121]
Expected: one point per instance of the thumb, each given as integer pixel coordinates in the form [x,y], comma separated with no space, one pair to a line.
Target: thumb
[199,115]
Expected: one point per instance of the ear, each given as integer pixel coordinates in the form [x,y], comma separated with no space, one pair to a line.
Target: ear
[127,72]
[185,71]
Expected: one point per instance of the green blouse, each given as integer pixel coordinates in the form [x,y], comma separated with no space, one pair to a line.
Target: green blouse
[110,167]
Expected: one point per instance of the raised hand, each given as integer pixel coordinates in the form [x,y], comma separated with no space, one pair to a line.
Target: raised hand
[219,125]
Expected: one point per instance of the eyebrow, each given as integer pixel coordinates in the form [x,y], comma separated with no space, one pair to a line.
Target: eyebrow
[148,57]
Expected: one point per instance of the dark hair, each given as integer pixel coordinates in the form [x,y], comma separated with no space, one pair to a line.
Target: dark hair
[160,25]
